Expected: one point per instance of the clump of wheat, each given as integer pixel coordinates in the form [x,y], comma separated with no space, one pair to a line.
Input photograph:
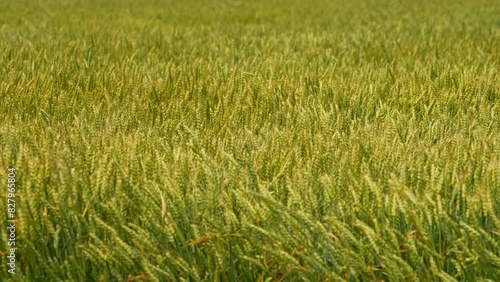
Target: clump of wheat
[280,141]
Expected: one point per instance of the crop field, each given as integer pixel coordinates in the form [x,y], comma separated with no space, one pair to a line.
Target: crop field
[264,140]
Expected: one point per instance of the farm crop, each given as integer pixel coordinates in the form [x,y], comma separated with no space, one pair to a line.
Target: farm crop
[277,140]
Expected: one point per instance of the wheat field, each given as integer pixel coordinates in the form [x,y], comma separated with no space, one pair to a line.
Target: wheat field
[228,140]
